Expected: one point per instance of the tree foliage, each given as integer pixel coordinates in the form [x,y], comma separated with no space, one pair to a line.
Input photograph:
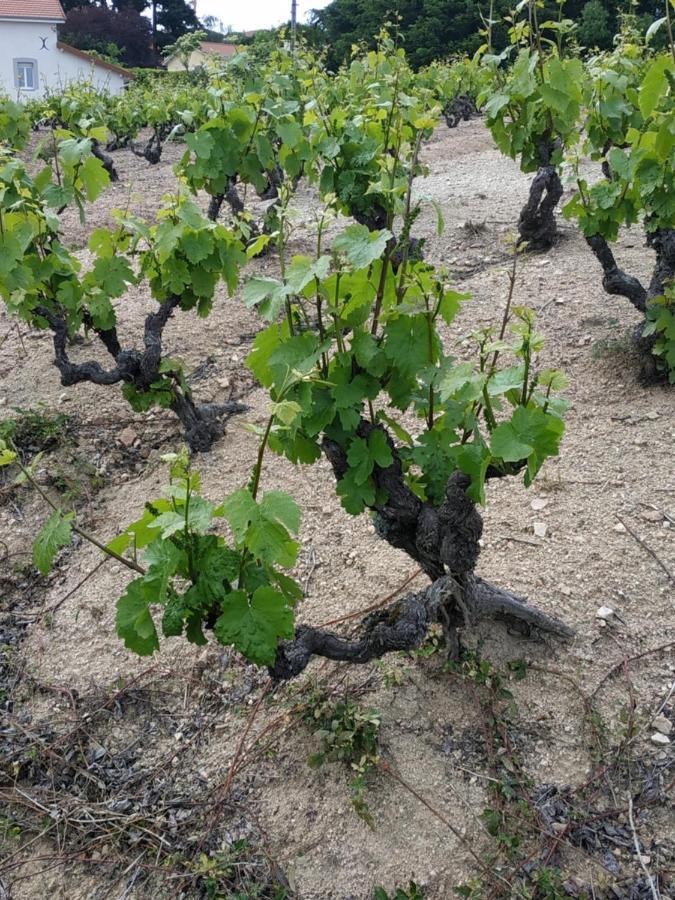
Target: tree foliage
[92,25]
[594,26]
[96,27]
[436,29]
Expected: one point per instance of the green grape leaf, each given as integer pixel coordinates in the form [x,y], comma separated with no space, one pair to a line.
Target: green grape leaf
[406,345]
[360,245]
[258,360]
[553,379]
[112,275]
[216,565]
[193,631]
[163,559]
[255,625]
[290,133]
[240,509]
[287,411]
[450,304]
[510,444]
[281,507]
[304,269]
[173,618]
[7,456]
[355,497]
[134,622]
[531,434]
[102,312]
[359,459]
[506,380]
[142,532]
[263,528]
[379,449]
[654,85]
[201,143]
[93,176]
[473,459]
[367,352]
[197,245]
[199,517]
[269,542]
[52,537]
[268,294]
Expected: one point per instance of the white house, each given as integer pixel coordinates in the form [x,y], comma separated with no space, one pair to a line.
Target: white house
[33,60]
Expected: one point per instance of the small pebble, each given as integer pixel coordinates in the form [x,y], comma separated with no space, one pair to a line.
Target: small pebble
[604,612]
[127,437]
[539,503]
[660,739]
[539,529]
[663,725]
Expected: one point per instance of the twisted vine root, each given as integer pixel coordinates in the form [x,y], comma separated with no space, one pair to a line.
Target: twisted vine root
[203,424]
[536,224]
[404,625]
[444,541]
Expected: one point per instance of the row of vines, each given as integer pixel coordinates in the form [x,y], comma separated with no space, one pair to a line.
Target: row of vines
[350,350]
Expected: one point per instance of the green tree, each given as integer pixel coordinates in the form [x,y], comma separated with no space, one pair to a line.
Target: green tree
[171,19]
[437,29]
[594,30]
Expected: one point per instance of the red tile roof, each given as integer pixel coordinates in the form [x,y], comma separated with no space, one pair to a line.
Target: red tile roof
[66,48]
[216,47]
[32,9]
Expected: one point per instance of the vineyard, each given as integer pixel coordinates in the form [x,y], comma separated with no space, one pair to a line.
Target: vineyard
[336,483]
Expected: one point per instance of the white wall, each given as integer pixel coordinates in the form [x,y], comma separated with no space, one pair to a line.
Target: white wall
[55,68]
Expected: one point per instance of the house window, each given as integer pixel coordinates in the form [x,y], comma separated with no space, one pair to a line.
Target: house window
[25,74]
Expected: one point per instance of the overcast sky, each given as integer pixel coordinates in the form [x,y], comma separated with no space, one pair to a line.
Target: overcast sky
[248,14]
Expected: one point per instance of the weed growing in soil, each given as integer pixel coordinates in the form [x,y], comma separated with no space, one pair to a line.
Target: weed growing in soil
[349,734]
[235,873]
[34,430]
[412,893]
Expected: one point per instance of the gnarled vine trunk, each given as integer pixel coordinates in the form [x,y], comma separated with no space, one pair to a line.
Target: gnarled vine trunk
[617,282]
[203,424]
[234,201]
[152,151]
[536,224]
[444,541]
[375,218]
[117,143]
[108,164]
[459,109]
